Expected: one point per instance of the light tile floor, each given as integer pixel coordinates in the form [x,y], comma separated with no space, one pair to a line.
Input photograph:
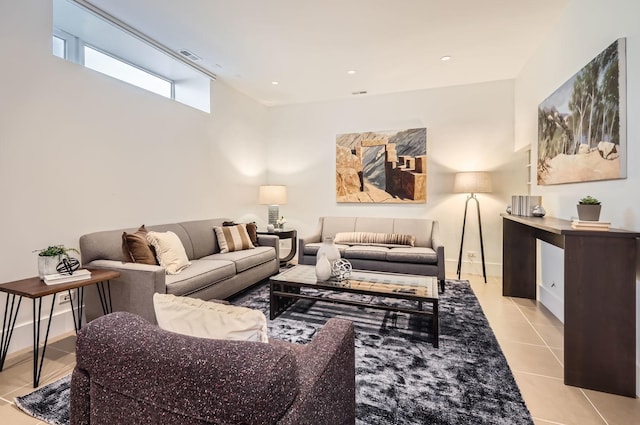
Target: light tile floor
[530,336]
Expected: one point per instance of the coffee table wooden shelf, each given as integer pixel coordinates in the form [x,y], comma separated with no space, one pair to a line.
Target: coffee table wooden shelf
[285,290]
[36,289]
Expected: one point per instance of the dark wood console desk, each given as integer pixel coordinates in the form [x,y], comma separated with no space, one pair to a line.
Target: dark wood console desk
[599,296]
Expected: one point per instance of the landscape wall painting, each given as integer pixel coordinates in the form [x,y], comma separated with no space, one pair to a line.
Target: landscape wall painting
[582,125]
[382,166]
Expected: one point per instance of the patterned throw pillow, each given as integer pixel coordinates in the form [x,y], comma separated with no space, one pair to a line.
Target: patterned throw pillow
[170,251]
[370,238]
[136,248]
[233,238]
[252,230]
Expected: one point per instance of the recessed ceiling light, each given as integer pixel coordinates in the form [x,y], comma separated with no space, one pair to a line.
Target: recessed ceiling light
[445,58]
[351,72]
[275,83]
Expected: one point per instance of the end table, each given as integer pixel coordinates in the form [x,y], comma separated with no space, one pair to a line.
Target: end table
[36,289]
[284,234]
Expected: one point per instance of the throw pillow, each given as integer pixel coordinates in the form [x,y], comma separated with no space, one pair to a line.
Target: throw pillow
[233,238]
[252,230]
[205,319]
[136,249]
[370,238]
[169,250]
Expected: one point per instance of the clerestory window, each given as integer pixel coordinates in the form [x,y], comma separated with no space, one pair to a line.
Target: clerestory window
[90,37]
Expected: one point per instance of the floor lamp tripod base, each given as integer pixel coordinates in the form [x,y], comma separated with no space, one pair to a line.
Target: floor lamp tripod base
[464,223]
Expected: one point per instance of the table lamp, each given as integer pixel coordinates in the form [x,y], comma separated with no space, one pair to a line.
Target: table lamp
[274,196]
[472,183]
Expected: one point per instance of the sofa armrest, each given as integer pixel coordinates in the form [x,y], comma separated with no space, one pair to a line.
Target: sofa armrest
[132,291]
[270,240]
[438,247]
[316,236]
[326,368]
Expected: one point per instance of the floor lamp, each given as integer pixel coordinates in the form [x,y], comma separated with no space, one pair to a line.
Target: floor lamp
[472,183]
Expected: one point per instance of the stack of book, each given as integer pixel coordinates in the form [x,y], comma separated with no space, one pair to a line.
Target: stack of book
[590,225]
[524,204]
[53,279]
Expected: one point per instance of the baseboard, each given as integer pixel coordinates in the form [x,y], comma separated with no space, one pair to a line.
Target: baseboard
[474,268]
[23,332]
[552,302]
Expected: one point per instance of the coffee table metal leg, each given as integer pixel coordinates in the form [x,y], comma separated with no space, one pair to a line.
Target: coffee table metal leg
[8,324]
[38,360]
[436,325]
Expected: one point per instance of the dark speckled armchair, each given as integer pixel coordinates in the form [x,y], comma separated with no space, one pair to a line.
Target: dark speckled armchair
[132,372]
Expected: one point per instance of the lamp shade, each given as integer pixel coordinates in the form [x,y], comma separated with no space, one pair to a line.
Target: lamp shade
[472,182]
[273,195]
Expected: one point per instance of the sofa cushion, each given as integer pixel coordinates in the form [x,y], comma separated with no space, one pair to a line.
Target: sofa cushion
[196,317]
[244,260]
[413,255]
[169,250]
[136,248]
[366,252]
[199,275]
[371,238]
[233,238]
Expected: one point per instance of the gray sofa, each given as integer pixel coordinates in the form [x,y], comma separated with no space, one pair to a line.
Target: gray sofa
[211,275]
[129,371]
[425,258]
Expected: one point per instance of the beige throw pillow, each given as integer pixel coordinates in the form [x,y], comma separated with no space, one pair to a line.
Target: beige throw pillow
[203,319]
[233,238]
[169,250]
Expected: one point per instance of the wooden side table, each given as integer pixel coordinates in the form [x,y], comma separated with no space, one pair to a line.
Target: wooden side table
[36,289]
[284,234]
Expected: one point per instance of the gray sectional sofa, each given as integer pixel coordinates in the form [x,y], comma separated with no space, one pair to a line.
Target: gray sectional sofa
[211,275]
[425,258]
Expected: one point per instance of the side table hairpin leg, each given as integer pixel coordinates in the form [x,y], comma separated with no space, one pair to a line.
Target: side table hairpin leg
[105,296]
[8,324]
[38,361]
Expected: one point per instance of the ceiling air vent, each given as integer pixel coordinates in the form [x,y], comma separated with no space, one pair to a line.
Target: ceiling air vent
[189,55]
[356,93]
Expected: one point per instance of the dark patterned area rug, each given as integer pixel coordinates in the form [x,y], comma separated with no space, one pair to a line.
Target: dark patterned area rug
[401,378]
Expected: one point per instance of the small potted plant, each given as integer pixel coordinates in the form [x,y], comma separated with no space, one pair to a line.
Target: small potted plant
[281,221]
[589,209]
[50,257]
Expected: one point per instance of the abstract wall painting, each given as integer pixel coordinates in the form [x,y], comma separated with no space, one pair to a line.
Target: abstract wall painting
[582,125]
[382,167]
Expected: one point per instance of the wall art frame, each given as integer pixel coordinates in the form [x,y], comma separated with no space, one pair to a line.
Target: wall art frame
[382,167]
[582,125]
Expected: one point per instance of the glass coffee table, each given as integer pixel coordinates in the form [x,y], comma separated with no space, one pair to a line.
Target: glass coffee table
[285,289]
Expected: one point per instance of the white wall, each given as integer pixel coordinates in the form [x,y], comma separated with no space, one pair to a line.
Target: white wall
[468,128]
[82,152]
[584,29]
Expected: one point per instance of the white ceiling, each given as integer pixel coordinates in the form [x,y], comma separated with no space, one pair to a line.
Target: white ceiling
[308,46]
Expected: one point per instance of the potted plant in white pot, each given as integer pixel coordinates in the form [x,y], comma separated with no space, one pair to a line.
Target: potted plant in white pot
[50,257]
[589,209]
